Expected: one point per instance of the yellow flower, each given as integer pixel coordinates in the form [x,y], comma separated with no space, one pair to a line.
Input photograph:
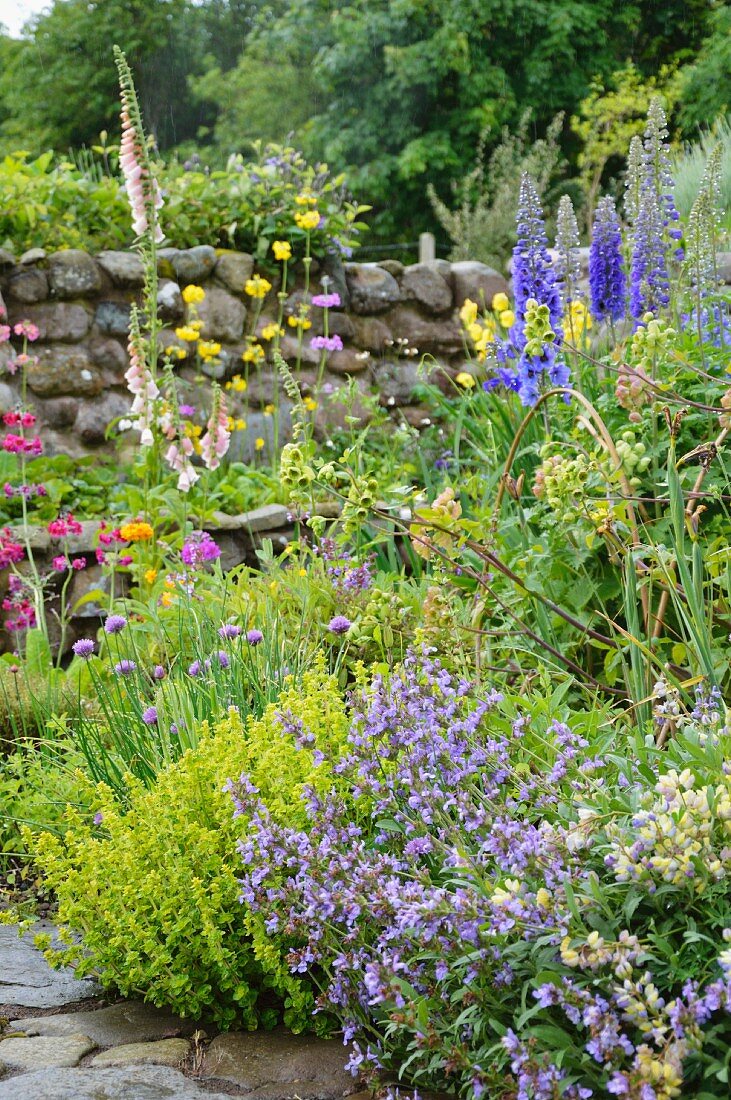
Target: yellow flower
[257,287]
[208,349]
[136,531]
[474,331]
[193,294]
[269,332]
[273,586]
[306,198]
[150,575]
[253,354]
[302,572]
[175,352]
[464,378]
[240,425]
[282,250]
[468,313]
[236,425]
[189,333]
[166,599]
[310,404]
[507,318]
[237,384]
[309,220]
[299,322]
[259,443]
[500,302]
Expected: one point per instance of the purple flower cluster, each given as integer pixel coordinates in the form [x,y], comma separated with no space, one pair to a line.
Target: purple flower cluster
[326,343]
[326,301]
[533,279]
[198,549]
[607,282]
[394,896]
[347,577]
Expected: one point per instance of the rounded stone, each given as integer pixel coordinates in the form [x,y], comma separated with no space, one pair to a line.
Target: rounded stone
[164,1052]
[112,318]
[170,305]
[59,371]
[371,288]
[371,333]
[73,274]
[110,357]
[44,1051]
[56,321]
[119,1083]
[234,269]
[426,334]
[28,285]
[59,412]
[424,284]
[33,256]
[191,265]
[476,281]
[222,315]
[125,269]
[95,417]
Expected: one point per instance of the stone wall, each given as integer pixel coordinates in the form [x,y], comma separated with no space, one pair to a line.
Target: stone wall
[390,315]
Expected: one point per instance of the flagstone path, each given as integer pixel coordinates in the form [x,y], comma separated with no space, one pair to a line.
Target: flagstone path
[60,1039]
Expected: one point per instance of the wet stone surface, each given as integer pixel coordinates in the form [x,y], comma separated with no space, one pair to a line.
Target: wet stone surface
[83,1049]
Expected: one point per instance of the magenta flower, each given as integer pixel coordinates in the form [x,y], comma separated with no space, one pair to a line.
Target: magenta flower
[78,563]
[60,563]
[27,329]
[198,549]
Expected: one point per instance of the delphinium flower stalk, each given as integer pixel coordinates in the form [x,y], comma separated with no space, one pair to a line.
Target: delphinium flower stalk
[607,282]
[534,281]
[633,179]
[701,255]
[567,267]
[655,219]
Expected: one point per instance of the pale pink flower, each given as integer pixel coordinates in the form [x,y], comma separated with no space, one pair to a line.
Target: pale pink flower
[142,189]
[141,383]
[215,442]
[4,333]
[178,457]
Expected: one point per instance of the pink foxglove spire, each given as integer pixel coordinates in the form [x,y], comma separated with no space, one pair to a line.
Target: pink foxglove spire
[142,189]
[215,442]
[178,456]
[142,385]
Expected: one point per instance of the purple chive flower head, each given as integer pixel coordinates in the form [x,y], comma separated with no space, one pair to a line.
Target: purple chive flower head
[125,667]
[326,301]
[339,625]
[194,669]
[607,282]
[114,623]
[223,659]
[149,716]
[83,648]
[326,343]
[229,630]
[98,817]
[198,549]
[158,672]
[254,637]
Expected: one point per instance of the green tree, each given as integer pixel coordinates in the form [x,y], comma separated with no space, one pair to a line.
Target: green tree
[706,84]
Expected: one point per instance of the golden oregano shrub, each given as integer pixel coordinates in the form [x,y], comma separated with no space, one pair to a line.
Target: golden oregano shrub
[148,899]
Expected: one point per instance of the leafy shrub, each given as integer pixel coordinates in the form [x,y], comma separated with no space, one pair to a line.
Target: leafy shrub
[523,904]
[482,224]
[56,204]
[151,889]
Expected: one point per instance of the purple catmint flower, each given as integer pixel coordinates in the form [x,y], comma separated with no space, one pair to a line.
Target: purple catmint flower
[125,667]
[158,672]
[326,343]
[114,624]
[254,637]
[83,648]
[198,549]
[229,630]
[149,716]
[339,625]
[326,301]
[607,282]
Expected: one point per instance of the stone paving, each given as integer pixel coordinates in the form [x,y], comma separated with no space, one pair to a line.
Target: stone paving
[60,1040]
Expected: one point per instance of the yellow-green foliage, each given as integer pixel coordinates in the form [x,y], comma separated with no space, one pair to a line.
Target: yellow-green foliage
[152,891]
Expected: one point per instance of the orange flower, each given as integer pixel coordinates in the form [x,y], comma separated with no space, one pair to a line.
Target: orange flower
[136,531]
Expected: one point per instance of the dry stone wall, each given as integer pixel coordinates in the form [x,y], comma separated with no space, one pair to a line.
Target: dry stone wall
[81,306]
